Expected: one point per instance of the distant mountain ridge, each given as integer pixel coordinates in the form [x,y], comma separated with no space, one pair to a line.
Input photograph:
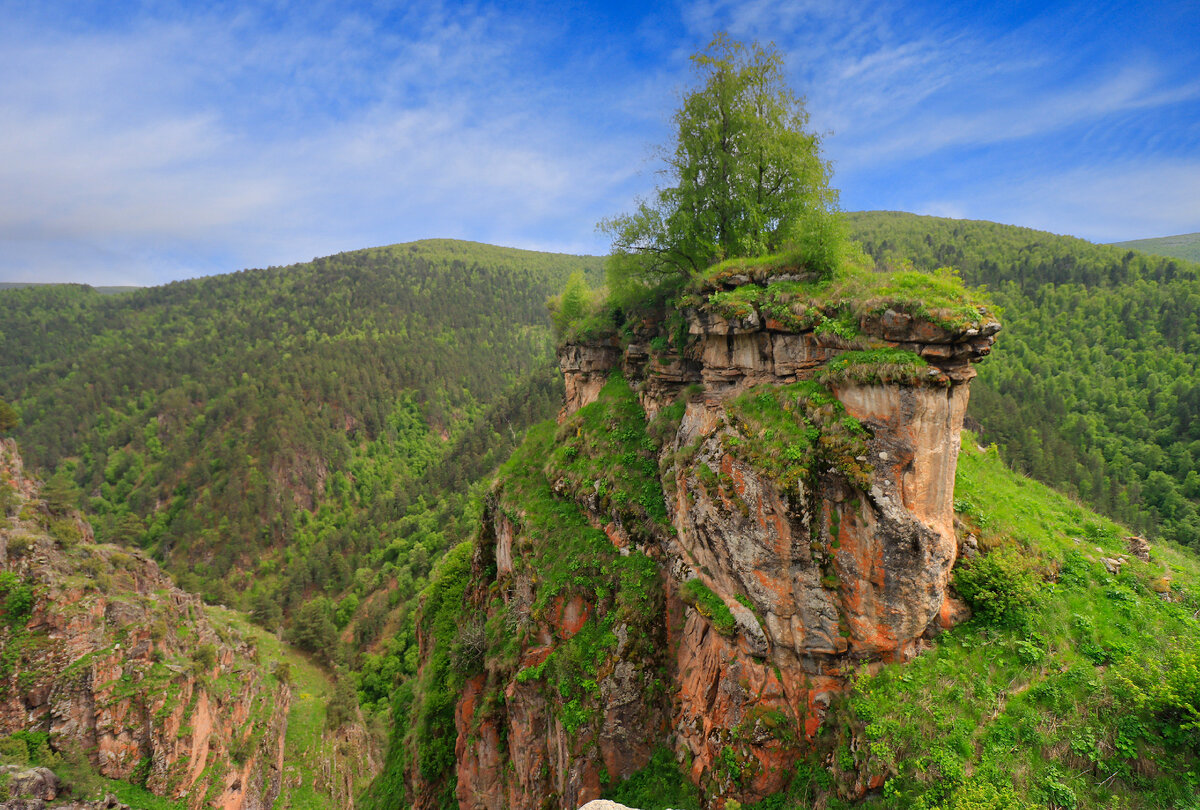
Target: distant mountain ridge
[1182,246]
[16,285]
[205,419]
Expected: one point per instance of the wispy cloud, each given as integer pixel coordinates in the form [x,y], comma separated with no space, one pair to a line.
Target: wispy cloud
[236,141]
[159,141]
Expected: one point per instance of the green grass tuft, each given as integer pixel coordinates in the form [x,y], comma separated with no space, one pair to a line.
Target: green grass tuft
[709,605]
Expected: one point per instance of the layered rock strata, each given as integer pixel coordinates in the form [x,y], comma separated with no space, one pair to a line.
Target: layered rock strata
[809,527]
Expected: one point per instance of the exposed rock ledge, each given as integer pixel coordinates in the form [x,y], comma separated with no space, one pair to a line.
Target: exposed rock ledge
[116,662]
[832,572]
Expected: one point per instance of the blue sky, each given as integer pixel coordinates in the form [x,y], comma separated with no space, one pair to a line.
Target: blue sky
[146,142]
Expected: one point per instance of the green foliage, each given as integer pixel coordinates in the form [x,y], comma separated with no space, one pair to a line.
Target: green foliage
[204,658]
[793,432]
[314,628]
[9,418]
[570,308]
[980,795]
[658,786]
[60,493]
[16,596]
[746,178]
[879,366]
[709,605]
[1000,587]
[604,447]
[842,301]
[343,706]
[1184,246]
[1176,696]
[1094,386]
[424,709]
[286,419]
[27,747]
[1078,693]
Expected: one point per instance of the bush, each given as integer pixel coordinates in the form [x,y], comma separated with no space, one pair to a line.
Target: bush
[978,795]
[343,706]
[26,748]
[1000,587]
[1175,697]
[204,658]
[17,598]
[657,786]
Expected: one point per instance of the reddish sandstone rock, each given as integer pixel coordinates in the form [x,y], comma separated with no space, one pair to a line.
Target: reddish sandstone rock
[819,577]
[108,666]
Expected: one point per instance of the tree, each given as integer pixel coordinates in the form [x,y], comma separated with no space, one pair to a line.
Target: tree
[747,179]
[60,493]
[9,418]
[571,306]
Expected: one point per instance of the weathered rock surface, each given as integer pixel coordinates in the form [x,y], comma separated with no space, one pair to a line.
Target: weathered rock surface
[32,783]
[114,661]
[850,564]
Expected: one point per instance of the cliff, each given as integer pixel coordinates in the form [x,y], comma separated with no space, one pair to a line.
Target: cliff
[102,653]
[734,510]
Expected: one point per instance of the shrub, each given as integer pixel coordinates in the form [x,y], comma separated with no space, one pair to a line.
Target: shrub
[657,786]
[204,659]
[979,795]
[1000,587]
[1175,697]
[17,598]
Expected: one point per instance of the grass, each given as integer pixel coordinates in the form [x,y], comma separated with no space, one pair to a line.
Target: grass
[839,304]
[1080,691]
[306,750]
[709,605]
[791,433]
[604,447]
[880,366]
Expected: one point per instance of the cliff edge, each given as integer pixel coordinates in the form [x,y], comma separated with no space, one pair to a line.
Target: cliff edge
[112,662]
[741,501]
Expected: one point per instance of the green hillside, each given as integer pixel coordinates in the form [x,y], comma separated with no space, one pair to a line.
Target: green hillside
[1072,686]
[1095,382]
[264,431]
[1184,246]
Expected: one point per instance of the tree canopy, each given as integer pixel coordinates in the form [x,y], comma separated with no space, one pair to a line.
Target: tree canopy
[746,178]
[9,418]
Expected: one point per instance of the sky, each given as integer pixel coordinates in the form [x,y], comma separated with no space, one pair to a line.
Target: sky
[145,142]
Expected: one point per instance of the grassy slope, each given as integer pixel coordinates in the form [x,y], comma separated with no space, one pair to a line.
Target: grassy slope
[1183,246]
[1066,701]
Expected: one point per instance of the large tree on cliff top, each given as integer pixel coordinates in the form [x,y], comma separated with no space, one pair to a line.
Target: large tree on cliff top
[746,178]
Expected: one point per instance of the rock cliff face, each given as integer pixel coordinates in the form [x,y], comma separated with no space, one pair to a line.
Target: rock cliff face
[806,475]
[105,655]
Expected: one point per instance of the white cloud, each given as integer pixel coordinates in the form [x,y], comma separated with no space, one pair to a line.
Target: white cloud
[1100,203]
[214,139]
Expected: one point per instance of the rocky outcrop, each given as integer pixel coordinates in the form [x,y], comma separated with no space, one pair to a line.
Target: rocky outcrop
[110,659]
[807,475]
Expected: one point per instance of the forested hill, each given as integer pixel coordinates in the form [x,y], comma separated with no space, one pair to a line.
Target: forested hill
[12,285]
[1183,246]
[1095,384]
[218,420]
